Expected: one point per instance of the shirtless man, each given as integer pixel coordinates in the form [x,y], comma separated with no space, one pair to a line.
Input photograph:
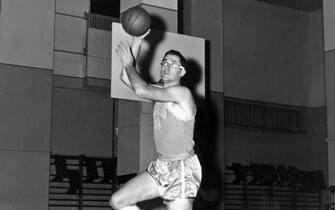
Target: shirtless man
[176,174]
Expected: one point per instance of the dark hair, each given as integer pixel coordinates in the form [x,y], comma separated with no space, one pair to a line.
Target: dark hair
[180,56]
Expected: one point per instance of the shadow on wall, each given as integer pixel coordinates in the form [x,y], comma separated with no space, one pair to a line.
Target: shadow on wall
[153,39]
[192,79]
[206,136]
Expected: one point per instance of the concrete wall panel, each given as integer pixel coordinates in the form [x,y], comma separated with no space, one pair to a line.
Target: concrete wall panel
[24,180]
[27,33]
[25,108]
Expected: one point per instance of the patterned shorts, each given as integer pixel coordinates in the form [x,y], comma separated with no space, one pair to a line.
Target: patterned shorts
[177,179]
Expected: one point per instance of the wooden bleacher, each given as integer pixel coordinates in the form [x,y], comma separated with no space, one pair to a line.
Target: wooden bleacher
[84,183]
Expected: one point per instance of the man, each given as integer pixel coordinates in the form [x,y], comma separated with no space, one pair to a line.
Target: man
[176,174]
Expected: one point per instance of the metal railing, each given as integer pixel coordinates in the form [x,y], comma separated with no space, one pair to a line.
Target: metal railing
[245,190]
[100,21]
[262,116]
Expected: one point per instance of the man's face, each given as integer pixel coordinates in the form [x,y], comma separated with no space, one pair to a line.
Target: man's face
[171,68]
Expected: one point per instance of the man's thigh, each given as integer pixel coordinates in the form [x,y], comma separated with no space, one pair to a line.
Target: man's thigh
[139,188]
[180,204]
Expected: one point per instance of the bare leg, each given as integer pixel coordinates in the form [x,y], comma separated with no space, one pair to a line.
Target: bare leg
[133,207]
[137,189]
[182,204]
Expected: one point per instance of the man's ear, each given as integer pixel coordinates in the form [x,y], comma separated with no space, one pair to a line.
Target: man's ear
[182,72]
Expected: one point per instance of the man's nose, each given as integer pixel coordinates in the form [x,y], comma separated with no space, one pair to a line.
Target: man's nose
[166,67]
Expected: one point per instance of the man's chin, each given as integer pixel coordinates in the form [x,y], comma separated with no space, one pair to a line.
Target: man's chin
[164,78]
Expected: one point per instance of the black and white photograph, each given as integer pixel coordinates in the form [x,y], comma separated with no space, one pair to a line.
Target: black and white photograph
[167,105]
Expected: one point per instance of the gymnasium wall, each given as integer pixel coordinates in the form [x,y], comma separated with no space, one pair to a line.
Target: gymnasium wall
[73,36]
[25,108]
[26,61]
[26,30]
[70,37]
[328,17]
[306,151]
[25,116]
[82,119]
[265,53]
[329,50]
[82,111]
[273,54]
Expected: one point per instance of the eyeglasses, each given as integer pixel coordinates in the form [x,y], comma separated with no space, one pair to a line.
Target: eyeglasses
[171,64]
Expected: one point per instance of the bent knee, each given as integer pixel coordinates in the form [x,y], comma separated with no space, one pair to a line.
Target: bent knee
[115,201]
[119,201]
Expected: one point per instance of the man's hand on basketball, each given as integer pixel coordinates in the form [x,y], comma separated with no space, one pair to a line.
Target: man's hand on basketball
[124,52]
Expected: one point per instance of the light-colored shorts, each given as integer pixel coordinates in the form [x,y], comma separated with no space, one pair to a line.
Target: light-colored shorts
[176,179]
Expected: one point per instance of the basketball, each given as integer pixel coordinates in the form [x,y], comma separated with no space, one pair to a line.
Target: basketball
[135,21]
